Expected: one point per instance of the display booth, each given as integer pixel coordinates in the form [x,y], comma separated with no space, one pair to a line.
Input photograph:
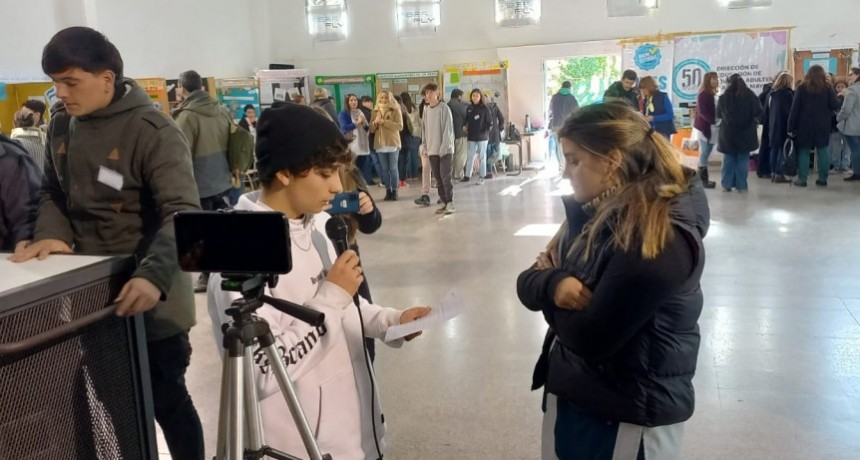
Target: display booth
[836,61]
[679,62]
[283,86]
[236,93]
[490,77]
[409,82]
[339,87]
[12,95]
[156,88]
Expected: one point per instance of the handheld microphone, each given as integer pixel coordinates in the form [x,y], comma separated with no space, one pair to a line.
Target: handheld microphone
[337,231]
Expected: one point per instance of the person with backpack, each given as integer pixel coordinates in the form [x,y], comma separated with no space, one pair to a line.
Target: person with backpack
[20,180]
[30,136]
[777,110]
[810,123]
[116,171]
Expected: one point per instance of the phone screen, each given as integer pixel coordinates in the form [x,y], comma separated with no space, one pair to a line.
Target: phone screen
[233,242]
[344,203]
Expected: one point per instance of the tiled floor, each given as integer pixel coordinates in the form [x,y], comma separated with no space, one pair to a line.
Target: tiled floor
[779,368]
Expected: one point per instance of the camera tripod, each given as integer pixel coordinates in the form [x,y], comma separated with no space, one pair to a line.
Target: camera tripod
[240,431]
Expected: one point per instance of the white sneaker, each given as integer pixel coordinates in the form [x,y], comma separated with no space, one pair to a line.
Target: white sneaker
[443,209]
[480,181]
[450,209]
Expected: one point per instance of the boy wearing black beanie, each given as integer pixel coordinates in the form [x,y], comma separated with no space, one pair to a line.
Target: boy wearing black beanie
[298,154]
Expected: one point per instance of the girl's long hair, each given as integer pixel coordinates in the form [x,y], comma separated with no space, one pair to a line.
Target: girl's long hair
[649,176]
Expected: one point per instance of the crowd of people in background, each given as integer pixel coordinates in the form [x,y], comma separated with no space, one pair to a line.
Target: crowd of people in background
[812,123]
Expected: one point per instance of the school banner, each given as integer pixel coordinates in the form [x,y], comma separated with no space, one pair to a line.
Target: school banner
[654,59]
[756,56]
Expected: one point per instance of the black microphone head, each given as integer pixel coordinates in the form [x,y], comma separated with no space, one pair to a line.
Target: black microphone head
[336,229]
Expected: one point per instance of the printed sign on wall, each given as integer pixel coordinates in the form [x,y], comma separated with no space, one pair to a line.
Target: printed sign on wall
[418,17]
[516,13]
[327,19]
[756,56]
[651,59]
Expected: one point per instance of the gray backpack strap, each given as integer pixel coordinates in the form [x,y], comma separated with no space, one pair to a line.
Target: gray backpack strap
[320,243]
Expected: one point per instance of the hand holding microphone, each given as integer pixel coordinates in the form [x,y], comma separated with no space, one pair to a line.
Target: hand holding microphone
[346,272]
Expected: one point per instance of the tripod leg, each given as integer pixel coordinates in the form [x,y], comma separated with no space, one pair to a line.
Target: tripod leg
[224,412]
[237,401]
[289,393]
[253,423]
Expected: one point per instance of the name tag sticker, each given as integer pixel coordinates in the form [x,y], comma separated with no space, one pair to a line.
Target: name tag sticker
[110,178]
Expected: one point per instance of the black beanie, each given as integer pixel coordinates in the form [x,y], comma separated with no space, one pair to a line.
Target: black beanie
[288,136]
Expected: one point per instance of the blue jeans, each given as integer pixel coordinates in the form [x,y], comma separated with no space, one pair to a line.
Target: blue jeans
[554,147]
[840,155]
[389,176]
[705,149]
[853,143]
[479,147]
[409,160]
[376,165]
[364,163]
[493,150]
[736,168]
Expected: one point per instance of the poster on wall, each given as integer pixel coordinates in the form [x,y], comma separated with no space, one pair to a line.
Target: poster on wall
[156,88]
[327,19]
[651,59]
[517,13]
[236,93]
[418,17]
[283,85]
[756,56]
[490,77]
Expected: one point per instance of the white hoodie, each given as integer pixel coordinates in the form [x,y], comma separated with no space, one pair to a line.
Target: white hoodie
[326,364]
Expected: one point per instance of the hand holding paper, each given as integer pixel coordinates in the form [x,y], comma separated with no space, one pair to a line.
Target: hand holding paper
[448,309]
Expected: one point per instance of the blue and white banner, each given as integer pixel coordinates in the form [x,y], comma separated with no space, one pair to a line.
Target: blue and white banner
[651,59]
[756,56]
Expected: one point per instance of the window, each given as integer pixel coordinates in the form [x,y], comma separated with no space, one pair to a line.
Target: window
[626,8]
[418,17]
[516,13]
[327,19]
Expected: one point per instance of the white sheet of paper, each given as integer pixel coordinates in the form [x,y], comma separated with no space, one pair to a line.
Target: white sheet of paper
[448,309]
[110,178]
[280,94]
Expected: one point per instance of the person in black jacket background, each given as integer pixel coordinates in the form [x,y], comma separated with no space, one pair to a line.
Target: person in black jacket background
[619,288]
[478,124]
[561,106]
[776,114]
[764,168]
[20,181]
[739,112]
[809,122]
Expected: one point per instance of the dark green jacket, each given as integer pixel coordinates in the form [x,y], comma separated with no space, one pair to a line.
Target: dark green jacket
[82,206]
[616,92]
[207,127]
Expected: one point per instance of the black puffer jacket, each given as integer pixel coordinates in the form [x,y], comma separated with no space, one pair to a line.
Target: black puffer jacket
[646,377]
[739,117]
[810,116]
